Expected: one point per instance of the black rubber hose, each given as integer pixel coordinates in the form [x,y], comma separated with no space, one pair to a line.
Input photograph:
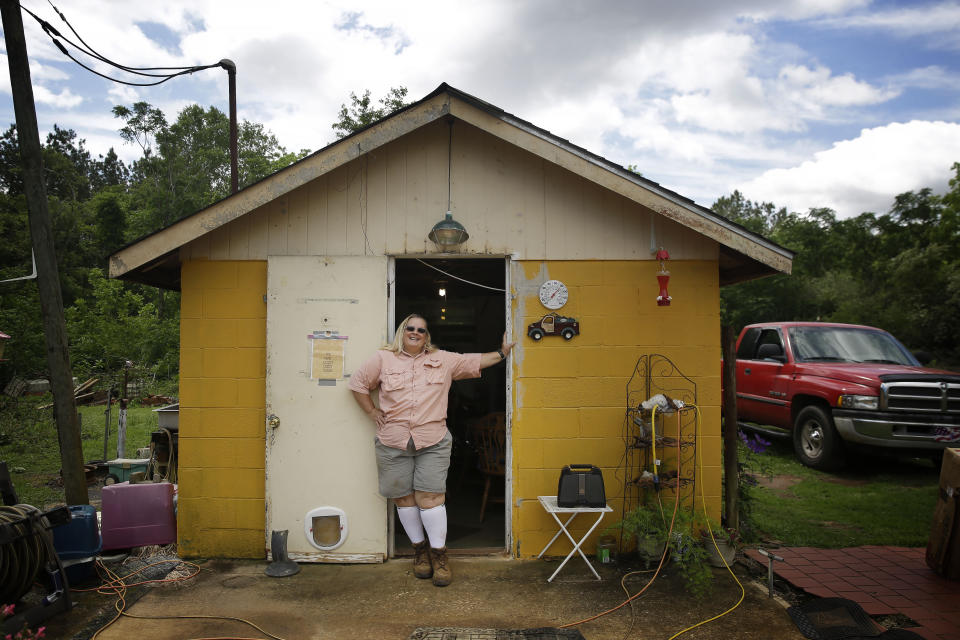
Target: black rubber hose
[22,560]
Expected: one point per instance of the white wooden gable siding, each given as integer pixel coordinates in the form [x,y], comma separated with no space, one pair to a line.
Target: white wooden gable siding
[510,201]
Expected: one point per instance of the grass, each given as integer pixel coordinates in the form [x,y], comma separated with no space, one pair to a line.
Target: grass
[30,447]
[874,501]
[881,501]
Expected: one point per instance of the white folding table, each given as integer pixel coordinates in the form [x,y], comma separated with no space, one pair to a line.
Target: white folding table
[549,504]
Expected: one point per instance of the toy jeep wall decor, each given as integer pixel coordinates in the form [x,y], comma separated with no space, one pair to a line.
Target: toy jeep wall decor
[554,325]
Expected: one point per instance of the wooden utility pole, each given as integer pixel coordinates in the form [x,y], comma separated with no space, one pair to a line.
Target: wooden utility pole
[48,280]
[731,471]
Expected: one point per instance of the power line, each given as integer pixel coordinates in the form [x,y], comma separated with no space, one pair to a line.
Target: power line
[102,57]
[55,36]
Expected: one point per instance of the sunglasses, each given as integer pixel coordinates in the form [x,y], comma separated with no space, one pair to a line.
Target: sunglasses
[417,329]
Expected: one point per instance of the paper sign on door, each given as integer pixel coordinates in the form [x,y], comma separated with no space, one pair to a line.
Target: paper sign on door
[326,355]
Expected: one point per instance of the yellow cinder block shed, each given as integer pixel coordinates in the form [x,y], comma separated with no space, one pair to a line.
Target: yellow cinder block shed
[290,283]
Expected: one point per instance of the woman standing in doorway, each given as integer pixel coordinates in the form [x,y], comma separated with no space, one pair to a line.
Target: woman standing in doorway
[413,445]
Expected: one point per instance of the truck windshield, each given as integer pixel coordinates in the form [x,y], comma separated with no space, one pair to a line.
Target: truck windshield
[847,344]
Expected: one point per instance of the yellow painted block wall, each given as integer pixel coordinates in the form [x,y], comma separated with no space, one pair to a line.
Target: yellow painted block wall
[223,329]
[570,397]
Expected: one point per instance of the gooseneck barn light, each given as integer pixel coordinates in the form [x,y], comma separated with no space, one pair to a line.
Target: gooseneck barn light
[448,233]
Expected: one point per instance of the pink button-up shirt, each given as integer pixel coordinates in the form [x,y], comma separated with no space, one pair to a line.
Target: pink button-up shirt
[413,392]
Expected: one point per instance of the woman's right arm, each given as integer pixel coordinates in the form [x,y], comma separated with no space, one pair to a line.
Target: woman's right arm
[361,382]
[366,403]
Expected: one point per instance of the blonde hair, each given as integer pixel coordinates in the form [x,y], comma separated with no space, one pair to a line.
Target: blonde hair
[397,345]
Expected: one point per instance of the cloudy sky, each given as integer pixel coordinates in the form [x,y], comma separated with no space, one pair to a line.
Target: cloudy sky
[803,103]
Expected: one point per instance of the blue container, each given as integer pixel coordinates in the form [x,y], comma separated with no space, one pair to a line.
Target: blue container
[78,543]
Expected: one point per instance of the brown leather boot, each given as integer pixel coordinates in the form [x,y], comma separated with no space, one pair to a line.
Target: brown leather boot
[422,568]
[442,575]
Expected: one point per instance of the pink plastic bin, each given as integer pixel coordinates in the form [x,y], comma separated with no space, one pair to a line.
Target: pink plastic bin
[137,515]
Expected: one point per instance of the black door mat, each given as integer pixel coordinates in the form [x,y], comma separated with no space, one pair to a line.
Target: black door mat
[833,619]
[899,634]
[453,633]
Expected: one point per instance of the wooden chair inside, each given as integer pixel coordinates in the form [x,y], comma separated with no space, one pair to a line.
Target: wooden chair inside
[490,437]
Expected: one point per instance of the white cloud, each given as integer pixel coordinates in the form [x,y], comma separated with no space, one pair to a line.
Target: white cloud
[929,77]
[722,82]
[924,20]
[46,72]
[65,99]
[816,86]
[698,93]
[122,94]
[803,9]
[863,174]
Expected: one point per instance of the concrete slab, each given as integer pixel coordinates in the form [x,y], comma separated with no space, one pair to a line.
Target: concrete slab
[387,601]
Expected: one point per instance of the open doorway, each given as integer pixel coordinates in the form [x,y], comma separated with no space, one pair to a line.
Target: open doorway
[463,302]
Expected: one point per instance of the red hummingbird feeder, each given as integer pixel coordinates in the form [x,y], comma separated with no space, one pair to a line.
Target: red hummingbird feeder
[663,278]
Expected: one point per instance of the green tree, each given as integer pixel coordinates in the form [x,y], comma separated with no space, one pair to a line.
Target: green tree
[116,324]
[143,123]
[186,165]
[899,270]
[362,113]
[109,171]
[107,209]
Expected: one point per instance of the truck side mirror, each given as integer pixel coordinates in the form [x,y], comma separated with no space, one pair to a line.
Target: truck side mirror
[923,357]
[770,352]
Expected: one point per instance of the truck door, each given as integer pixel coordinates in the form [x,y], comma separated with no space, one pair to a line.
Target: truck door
[761,378]
[547,324]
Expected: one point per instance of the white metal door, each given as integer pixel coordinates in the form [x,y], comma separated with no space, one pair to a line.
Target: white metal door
[325,315]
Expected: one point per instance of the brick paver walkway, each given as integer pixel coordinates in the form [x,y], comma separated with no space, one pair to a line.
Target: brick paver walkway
[883,580]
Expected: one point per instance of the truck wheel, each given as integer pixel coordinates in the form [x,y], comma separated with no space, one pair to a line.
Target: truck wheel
[815,440]
[536,334]
[568,334]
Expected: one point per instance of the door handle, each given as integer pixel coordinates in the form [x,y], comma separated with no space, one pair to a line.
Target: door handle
[747,371]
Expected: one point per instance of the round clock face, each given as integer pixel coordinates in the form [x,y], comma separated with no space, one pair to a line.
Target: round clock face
[553,294]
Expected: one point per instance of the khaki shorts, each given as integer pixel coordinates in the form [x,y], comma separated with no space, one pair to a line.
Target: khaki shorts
[403,471]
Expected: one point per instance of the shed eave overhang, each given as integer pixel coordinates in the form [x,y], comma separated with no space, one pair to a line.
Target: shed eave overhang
[744,254]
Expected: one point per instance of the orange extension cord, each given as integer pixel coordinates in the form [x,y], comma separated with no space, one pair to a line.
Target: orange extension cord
[113,584]
[666,548]
[699,464]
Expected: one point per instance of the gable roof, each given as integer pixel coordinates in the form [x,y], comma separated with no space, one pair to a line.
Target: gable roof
[744,255]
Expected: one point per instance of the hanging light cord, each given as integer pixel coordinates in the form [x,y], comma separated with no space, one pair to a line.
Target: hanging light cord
[450,167]
[476,284]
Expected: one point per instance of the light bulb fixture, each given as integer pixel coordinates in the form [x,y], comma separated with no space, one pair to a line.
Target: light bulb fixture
[448,233]
[442,293]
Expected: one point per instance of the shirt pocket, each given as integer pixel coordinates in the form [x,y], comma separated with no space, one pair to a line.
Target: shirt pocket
[393,379]
[434,371]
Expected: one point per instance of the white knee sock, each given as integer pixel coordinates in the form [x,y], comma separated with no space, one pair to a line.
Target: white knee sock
[435,522]
[410,519]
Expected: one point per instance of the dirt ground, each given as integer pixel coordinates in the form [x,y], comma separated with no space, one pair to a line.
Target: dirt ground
[386,601]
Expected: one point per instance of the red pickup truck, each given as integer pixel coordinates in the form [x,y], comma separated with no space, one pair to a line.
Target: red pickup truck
[838,386]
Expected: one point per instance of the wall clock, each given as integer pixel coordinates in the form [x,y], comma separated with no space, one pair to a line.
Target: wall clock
[553,294]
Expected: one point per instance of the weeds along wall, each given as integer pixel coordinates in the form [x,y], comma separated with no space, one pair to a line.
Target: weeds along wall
[570,397]
[222,401]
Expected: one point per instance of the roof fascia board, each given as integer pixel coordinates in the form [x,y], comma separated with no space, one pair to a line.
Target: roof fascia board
[623,182]
[277,185]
